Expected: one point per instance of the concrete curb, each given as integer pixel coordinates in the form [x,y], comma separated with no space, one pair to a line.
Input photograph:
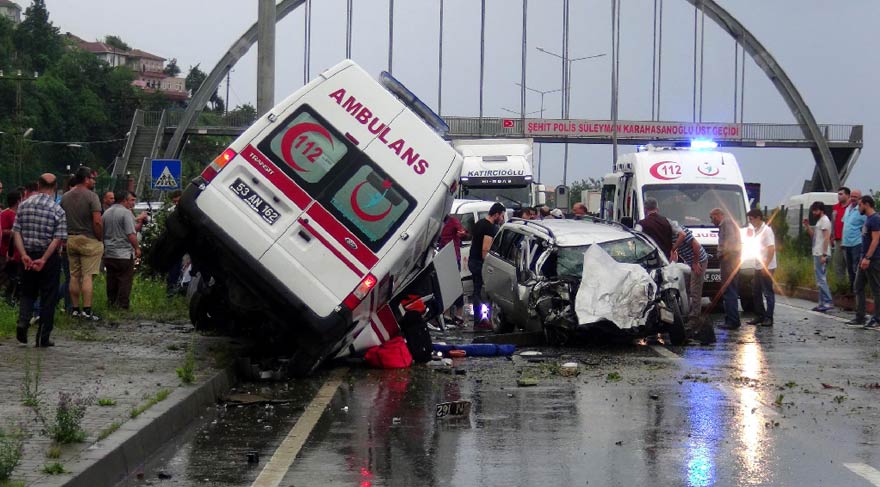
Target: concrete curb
[842,302]
[123,452]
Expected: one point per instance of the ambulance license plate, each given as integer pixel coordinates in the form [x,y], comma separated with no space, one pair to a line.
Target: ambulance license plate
[255,201]
[455,408]
[712,277]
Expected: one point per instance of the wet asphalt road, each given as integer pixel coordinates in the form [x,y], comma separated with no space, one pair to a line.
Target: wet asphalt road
[788,405]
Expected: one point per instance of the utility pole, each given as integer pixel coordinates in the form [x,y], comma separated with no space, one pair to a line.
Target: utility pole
[265,56]
[228,75]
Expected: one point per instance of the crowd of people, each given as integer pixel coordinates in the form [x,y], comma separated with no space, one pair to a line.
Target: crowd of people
[54,243]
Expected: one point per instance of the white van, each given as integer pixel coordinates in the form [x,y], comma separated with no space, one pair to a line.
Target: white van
[319,212]
[687,182]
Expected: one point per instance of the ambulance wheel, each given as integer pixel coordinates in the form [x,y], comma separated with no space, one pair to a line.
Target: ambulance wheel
[205,310]
[500,324]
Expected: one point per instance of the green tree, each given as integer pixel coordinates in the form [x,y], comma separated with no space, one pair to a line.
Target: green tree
[587,184]
[171,69]
[245,112]
[38,41]
[116,42]
[194,81]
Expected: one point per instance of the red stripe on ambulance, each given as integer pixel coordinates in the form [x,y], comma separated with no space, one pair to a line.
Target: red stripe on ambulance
[330,246]
[345,238]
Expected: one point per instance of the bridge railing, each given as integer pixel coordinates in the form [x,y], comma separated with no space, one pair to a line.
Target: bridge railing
[749,132]
[513,127]
[206,119]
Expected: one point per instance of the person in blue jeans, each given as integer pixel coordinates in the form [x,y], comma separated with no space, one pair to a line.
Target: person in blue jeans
[869,266]
[729,250]
[821,235]
[851,242]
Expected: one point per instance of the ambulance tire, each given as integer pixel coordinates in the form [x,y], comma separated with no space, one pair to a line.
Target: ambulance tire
[206,311]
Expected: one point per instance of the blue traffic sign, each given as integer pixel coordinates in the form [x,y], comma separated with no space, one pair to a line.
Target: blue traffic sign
[165,174]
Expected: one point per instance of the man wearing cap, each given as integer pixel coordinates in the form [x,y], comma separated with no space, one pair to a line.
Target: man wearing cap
[40,227]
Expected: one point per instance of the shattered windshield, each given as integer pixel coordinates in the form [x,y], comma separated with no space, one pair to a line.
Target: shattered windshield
[632,250]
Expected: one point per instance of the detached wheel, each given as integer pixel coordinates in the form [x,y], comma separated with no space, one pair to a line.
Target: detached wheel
[677,335]
[500,324]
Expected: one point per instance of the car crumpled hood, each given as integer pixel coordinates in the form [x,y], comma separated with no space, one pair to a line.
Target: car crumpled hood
[612,291]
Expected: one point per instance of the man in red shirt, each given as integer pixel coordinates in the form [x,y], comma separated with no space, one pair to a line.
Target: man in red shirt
[10,260]
[837,261]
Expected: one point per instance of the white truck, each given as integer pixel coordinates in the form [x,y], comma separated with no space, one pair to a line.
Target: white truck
[499,170]
[687,182]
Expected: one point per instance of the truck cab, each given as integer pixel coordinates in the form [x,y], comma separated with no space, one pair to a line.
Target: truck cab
[687,182]
[499,170]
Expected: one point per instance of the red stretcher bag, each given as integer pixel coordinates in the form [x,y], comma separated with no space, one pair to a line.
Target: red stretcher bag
[392,354]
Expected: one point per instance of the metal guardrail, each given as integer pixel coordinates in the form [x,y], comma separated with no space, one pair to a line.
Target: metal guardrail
[122,162]
[206,120]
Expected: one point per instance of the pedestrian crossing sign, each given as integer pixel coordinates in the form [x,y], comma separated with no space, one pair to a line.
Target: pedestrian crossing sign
[165,174]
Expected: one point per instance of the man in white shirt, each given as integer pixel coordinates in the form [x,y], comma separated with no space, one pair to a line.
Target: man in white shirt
[821,236]
[765,265]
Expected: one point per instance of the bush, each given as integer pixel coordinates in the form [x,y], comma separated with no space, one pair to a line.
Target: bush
[69,414]
[187,372]
[11,444]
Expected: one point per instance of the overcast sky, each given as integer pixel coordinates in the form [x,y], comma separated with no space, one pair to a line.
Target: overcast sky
[829,50]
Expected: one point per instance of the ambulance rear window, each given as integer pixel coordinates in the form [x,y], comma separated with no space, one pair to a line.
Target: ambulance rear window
[305,146]
[371,204]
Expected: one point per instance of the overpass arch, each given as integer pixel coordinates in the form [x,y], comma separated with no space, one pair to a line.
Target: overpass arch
[827,170]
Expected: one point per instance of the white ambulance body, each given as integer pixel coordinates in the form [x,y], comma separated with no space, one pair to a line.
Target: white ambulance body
[318,213]
[687,184]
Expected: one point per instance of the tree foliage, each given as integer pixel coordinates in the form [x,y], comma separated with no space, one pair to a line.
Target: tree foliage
[172,69]
[116,42]
[194,80]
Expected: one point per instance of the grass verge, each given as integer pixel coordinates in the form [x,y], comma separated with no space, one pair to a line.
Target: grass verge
[159,397]
[148,302]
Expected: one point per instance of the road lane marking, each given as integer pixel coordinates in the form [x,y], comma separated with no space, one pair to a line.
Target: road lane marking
[274,471]
[665,352]
[809,311]
[867,472]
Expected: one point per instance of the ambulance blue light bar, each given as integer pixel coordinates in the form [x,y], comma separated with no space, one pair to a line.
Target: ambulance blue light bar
[703,144]
[412,101]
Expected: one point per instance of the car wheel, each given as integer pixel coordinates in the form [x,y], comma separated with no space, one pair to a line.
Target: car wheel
[206,311]
[677,335]
[499,323]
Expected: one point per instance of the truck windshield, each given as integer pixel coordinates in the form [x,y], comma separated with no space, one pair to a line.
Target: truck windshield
[690,204]
[508,196]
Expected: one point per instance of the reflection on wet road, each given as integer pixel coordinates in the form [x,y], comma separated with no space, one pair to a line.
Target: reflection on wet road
[751,410]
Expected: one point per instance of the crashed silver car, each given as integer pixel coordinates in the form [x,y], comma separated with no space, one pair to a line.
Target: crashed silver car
[569,278]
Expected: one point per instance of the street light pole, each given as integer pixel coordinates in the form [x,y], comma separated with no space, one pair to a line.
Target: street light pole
[540,145]
[566,93]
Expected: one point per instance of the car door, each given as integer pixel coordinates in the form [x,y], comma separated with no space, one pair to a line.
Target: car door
[499,272]
[528,251]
